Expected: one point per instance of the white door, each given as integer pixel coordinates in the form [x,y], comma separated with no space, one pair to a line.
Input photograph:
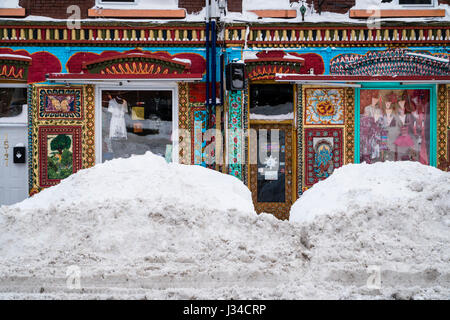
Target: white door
[13,176]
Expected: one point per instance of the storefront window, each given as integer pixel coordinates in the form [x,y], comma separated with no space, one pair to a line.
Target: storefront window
[12,101]
[134,122]
[394,125]
[271,102]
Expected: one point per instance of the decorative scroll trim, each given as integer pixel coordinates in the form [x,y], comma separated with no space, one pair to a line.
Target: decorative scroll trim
[349,137]
[443,158]
[299,118]
[235,135]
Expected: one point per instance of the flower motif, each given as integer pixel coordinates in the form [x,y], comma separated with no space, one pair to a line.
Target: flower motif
[325,108]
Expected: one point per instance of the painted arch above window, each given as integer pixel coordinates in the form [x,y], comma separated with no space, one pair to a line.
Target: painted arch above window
[392,62]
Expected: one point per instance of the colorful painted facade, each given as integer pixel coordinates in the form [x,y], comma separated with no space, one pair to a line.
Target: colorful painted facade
[352,92]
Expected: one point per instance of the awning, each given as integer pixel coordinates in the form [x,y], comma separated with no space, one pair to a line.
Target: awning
[356,80]
[93,78]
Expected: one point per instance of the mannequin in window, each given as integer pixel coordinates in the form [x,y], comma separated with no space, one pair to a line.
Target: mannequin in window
[405,121]
[117,107]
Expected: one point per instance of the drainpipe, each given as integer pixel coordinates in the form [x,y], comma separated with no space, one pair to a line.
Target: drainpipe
[207,46]
[213,68]
[222,72]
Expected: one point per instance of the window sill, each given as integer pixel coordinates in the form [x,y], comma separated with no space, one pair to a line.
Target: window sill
[12,12]
[400,13]
[137,13]
[275,13]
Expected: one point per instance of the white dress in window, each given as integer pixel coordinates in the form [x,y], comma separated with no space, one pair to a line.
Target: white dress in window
[117,128]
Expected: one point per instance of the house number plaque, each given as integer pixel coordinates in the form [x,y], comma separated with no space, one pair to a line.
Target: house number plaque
[6,145]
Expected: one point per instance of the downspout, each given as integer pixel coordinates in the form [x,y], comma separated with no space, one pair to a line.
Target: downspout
[222,72]
[213,69]
[207,45]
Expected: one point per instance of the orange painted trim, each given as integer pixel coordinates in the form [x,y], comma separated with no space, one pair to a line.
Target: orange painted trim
[13,12]
[133,13]
[275,13]
[400,13]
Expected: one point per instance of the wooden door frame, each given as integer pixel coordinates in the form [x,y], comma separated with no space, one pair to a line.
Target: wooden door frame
[292,122]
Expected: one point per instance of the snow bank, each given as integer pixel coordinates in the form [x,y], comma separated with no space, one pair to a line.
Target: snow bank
[147,177]
[394,216]
[140,228]
[378,186]
[112,207]
[143,223]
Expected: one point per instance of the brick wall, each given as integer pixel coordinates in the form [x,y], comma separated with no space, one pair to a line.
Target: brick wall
[191,5]
[55,8]
[234,5]
[197,5]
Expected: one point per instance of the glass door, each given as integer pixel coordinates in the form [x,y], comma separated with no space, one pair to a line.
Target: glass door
[271,148]
[271,175]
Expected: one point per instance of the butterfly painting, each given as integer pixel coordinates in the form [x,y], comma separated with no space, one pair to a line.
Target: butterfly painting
[60,103]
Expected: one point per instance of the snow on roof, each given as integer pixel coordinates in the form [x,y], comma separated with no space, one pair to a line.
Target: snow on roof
[253,55]
[265,4]
[187,61]
[427,56]
[10,4]
[290,56]
[140,4]
[14,56]
[250,55]
[286,116]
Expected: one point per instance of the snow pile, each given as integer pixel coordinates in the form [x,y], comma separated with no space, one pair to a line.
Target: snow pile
[147,177]
[141,228]
[378,186]
[142,222]
[115,208]
[393,215]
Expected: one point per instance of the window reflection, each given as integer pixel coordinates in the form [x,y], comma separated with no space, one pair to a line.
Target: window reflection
[271,102]
[134,122]
[395,125]
[12,101]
